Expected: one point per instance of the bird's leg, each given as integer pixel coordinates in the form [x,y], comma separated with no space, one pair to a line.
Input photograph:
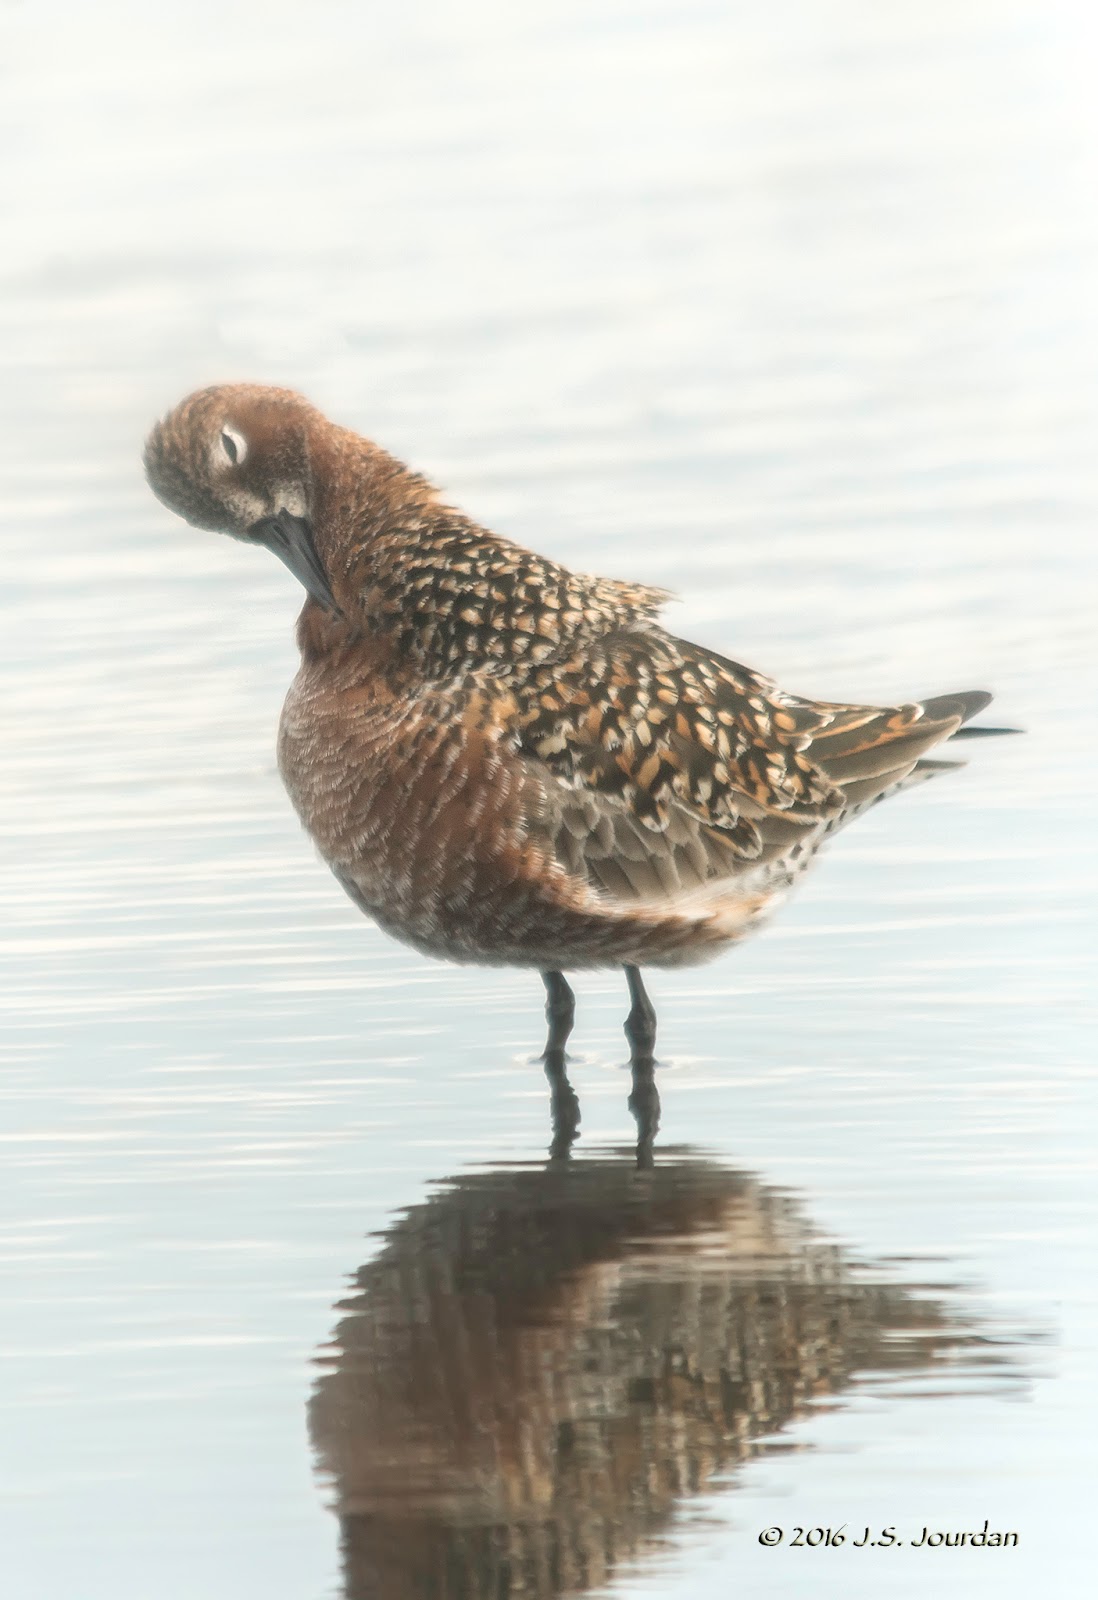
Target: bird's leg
[640,1024]
[560,1012]
[644,1101]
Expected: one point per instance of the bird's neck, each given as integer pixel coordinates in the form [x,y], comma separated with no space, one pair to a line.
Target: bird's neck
[436,593]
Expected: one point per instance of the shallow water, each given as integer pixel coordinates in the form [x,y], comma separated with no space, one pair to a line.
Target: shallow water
[789,309]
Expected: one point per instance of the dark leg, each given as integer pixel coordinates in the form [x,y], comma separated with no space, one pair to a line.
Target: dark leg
[644,1101]
[560,1012]
[640,1024]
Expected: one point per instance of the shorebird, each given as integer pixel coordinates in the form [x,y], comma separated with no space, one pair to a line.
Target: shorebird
[506,762]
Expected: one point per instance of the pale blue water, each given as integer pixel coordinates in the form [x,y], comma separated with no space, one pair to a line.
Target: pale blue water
[790,309]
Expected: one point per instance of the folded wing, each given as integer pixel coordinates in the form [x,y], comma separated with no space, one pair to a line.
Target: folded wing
[677,771]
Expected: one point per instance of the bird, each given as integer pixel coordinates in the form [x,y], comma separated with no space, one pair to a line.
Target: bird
[505,762]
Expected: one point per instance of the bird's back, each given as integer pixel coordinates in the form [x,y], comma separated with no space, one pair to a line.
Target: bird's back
[519,762]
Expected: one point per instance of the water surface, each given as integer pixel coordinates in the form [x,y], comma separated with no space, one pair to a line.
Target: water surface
[789,309]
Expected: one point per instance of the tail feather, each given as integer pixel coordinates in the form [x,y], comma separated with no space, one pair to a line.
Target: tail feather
[890,749]
[967,703]
[981,731]
[860,796]
[931,769]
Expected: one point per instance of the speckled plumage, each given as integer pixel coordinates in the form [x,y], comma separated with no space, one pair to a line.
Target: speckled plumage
[503,761]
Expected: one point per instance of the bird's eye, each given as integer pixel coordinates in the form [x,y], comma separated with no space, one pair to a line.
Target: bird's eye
[234,445]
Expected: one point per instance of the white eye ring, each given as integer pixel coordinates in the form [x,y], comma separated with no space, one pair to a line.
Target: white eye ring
[234,446]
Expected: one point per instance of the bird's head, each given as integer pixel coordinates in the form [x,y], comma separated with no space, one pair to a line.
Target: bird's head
[236,459]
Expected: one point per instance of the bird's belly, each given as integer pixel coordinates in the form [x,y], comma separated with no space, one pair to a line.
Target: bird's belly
[410,812]
[418,823]
[352,800]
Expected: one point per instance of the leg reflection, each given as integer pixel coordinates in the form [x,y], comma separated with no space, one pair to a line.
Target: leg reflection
[560,1013]
[644,1103]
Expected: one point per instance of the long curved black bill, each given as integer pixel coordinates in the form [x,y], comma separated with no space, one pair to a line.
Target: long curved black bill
[291,540]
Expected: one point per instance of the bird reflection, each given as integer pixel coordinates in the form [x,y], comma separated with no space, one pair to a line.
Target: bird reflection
[539,1366]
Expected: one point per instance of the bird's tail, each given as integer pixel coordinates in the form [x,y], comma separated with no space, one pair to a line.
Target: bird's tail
[891,756]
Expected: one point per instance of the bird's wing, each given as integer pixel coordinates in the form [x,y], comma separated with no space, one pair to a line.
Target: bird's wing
[676,769]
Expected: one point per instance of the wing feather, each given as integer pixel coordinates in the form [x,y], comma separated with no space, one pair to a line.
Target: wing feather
[677,769]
